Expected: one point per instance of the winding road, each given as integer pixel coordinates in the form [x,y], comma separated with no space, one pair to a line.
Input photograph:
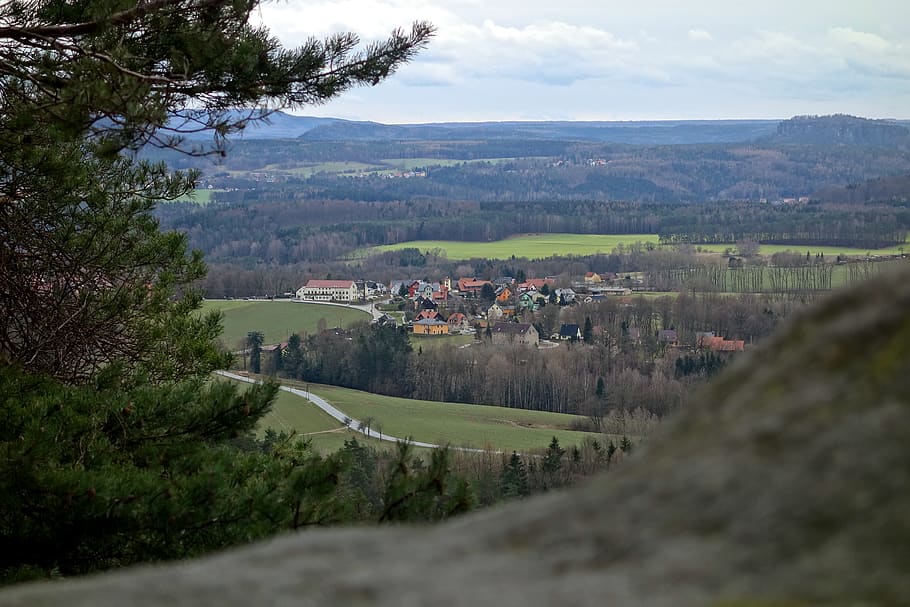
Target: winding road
[347,420]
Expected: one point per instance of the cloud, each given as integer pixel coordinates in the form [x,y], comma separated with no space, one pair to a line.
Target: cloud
[536,58]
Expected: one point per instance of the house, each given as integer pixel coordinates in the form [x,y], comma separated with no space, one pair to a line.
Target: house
[519,333]
[592,278]
[472,286]
[503,294]
[535,284]
[424,303]
[531,300]
[500,281]
[509,310]
[329,290]
[431,326]
[458,322]
[271,357]
[565,296]
[494,312]
[428,315]
[385,320]
[572,332]
[708,341]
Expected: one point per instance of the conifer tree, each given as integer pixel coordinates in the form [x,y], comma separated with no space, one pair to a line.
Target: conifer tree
[115,448]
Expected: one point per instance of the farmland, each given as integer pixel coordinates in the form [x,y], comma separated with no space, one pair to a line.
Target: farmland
[532,246]
[278,319]
[539,246]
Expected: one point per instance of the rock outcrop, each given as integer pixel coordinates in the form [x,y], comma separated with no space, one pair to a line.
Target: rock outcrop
[785,482]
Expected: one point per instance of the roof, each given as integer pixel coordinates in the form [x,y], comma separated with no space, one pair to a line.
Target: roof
[457,317]
[719,344]
[430,322]
[513,328]
[329,284]
[569,330]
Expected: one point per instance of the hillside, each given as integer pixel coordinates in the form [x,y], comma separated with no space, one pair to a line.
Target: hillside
[841,129]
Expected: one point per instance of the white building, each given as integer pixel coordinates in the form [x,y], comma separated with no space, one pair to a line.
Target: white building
[329,290]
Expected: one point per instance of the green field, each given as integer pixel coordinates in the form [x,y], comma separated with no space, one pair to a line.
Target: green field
[532,246]
[538,246]
[830,252]
[459,425]
[277,319]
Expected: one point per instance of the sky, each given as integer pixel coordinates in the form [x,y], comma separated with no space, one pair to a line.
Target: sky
[495,60]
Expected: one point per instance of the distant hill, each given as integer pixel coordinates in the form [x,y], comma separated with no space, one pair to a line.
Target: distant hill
[823,130]
[841,129]
[641,133]
[277,125]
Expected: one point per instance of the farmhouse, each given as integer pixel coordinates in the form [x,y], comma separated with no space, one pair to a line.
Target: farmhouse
[507,333]
[472,285]
[329,290]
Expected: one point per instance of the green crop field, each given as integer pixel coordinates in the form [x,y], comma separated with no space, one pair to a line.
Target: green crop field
[538,246]
[457,424]
[532,246]
[278,319]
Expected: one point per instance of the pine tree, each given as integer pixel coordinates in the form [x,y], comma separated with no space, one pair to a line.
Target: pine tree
[116,448]
[514,479]
[254,345]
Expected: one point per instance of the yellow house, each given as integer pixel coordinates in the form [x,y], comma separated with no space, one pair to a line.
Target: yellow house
[431,326]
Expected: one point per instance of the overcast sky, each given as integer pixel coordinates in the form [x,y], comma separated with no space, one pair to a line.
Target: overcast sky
[626,60]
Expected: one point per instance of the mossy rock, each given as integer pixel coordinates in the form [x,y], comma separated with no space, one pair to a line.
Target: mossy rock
[786,482]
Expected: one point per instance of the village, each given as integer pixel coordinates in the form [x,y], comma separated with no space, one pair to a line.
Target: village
[502,309]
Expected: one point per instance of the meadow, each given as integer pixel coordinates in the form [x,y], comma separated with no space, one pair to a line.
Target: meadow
[456,424]
[539,246]
[278,319]
[532,246]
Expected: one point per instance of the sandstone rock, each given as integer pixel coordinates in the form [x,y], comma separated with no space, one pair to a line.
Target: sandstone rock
[787,481]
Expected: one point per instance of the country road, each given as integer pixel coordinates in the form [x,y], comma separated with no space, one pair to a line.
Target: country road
[350,422]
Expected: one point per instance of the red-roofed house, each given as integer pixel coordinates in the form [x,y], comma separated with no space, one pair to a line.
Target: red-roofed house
[472,285]
[719,344]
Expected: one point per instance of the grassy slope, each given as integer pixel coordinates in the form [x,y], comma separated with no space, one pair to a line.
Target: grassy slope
[535,246]
[457,424]
[277,319]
